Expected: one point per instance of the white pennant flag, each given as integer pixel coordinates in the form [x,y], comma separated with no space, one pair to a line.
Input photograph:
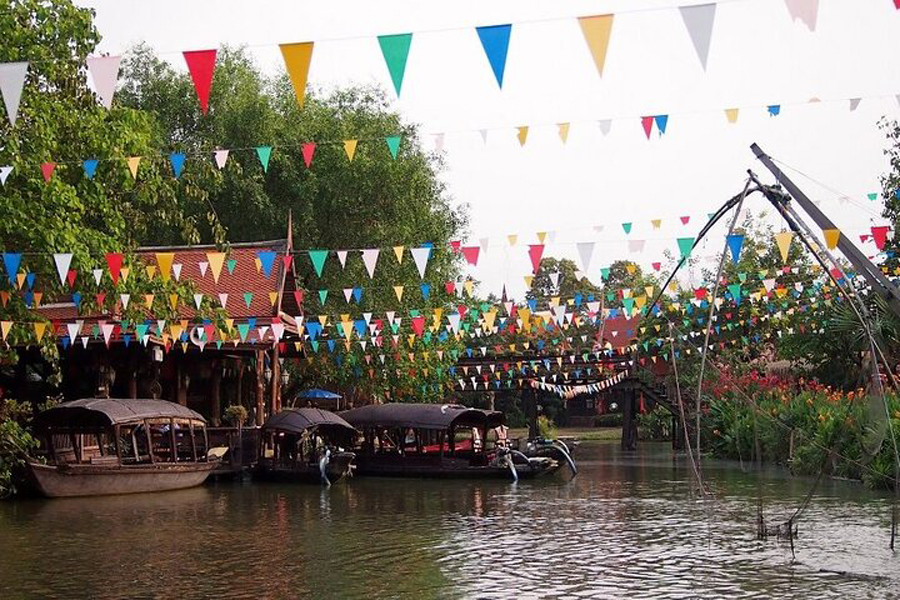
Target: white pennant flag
[98,275]
[63,262]
[221,157]
[203,267]
[4,173]
[342,258]
[585,252]
[176,270]
[198,300]
[370,258]
[806,11]
[74,329]
[223,299]
[699,20]
[605,126]
[439,142]
[12,80]
[107,329]
[484,133]
[126,298]
[420,255]
[104,72]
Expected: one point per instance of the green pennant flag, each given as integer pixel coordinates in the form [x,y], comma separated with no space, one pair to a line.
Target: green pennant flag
[628,304]
[248,298]
[393,143]
[243,330]
[604,273]
[323,296]
[395,49]
[685,245]
[264,152]
[626,227]
[735,289]
[318,260]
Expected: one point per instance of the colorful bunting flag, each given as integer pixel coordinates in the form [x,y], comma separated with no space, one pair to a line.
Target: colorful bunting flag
[4,173]
[370,259]
[177,160]
[732,114]
[201,65]
[297,58]
[596,30]
[264,153]
[90,167]
[12,80]
[318,260]
[806,11]
[832,237]
[563,129]
[104,72]
[420,256]
[535,252]
[133,162]
[735,242]
[685,245]
[699,20]
[395,49]
[47,169]
[495,41]
[350,149]
[522,135]
[783,240]
[308,150]
[221,157]
[393,144]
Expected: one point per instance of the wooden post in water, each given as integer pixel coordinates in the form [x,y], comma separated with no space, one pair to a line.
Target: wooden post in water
[276,380]
[260,387]
[215,387]
[629,424]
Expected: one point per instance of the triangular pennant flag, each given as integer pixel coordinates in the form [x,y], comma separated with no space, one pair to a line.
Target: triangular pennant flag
[350,149]
[177,160]
[597,30]
[297,58]
[783,240]
[495,41]
[535,252]
[605,126]
[395,49]
[342,258]
[104,72]
[732,114]
[215,260]
[563,131]
[735,242]
[398,291]
[90,167]
[832,237]
[133,163]
[661,122]
[370,258]
[267,260]
[12,80]
[393,144]
[585,252]
[308,149]
[4,173]
[647,124]
[47,169]
[854,103]
[774,110]
[114,264]
[522,135]
[420,256]
[398,252]
[471,254]
[221,157]
[11,261]
[201,64]
[165,260]
[699,20]
[806,11]
[684,246]
[63,261]
[318,260]
[264,153]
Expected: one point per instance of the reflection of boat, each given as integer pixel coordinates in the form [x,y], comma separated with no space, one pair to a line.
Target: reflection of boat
[557,449]
[305,444]
[433,440]
[100,446]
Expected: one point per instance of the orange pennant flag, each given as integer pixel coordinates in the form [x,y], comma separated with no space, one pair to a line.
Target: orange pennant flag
[597,30]
[297,58]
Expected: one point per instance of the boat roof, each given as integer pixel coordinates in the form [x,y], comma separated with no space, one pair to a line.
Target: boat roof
[301,419]
[421,416]
[101,412]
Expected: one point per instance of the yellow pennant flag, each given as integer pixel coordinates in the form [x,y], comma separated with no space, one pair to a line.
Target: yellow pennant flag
[20,280]
[563,131]
[5,327]
[151,271]
[523,134]
[350,149]
[596,30]
[511,238]
[258,264]
[398,252]
[469,287]
[631,268]
[165,260]
[528,280]
[37,299]
[297,58]
[216,260]
[732,114]
[173,301]
[832,237]
[273,298]
[124,272]
[657,223]
[39,329]
[398,290]
[148,301]
[133,163]
[541,236]
[783,240]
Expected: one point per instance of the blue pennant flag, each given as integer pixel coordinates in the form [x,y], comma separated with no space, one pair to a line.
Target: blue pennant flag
[426,291]
[177,160]
[90,167]
[357,294]
[661,122]
[12,261]
[267,259]
[735,243]
[774,110]
[495,41]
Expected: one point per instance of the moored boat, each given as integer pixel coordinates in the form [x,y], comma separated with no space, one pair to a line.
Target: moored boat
[98,446]
[305,444]
[434,440]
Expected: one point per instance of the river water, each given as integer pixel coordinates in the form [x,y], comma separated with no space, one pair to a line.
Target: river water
[629,525]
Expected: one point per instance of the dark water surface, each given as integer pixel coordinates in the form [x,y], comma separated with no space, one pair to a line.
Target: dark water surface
[629,526]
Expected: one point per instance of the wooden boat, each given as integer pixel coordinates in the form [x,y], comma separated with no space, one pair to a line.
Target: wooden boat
[433,440]
[305,444]
[99,446]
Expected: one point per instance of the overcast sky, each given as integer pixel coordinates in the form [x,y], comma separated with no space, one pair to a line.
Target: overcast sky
[758,57]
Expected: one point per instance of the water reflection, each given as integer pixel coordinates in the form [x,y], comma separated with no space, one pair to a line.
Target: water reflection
[626,526]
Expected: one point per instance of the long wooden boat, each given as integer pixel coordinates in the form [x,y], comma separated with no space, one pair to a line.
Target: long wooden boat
[433,440]
[98,446]
[306,445]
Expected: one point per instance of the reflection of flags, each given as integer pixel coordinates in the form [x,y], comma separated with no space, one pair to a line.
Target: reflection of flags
[643,408]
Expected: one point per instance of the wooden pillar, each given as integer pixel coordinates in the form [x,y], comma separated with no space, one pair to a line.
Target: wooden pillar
[240,384]
[276,380]
[180,388]
[215,398]
[629,423]
[260,387]
[133,379]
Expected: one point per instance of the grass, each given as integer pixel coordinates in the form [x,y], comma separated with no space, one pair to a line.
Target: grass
[584,434]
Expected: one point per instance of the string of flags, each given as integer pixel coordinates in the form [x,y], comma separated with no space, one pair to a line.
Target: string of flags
[570,391]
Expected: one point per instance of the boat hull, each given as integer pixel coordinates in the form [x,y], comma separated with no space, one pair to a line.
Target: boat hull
[447,469]
[91,480]
[338,467]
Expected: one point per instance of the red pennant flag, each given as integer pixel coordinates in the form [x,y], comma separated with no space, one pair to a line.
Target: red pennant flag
[287,259]
[536,251]
[308,149]
[201,64]
[897,4]
[657,266]
[47,169]
[700,293]
[298,297]
[101,298]
[863,238]
[647,122]
[418,325]
[684,220]
[114,264]
[461,309]
[455,244]
[836,273]
[449,287]
[879,234]
[471,254]
[70,277]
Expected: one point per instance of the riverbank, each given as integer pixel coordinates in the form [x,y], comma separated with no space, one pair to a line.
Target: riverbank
[582,434]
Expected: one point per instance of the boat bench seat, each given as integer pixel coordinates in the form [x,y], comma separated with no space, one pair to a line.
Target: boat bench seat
[104,460]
